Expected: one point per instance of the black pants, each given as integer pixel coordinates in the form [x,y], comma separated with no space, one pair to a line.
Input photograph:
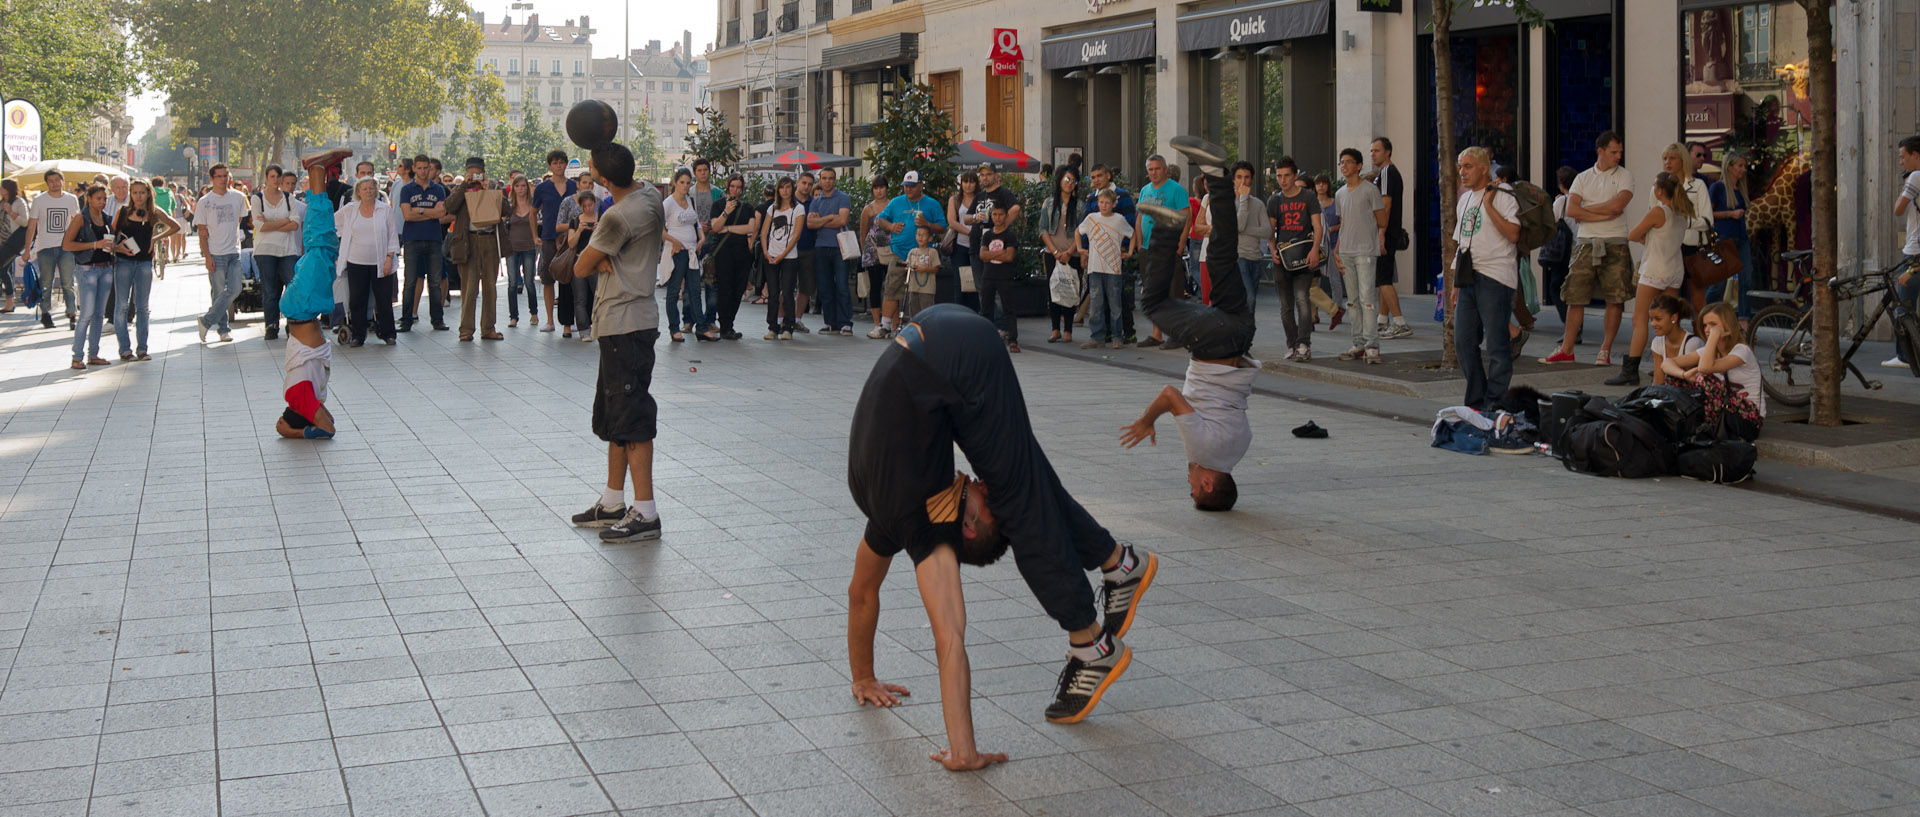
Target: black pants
[365,280]
[730,282]
[1054,540]
[999,292]
[1129,281]
[781,280]
[1223,330]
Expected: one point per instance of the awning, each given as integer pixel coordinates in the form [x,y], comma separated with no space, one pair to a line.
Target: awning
[877,51]
[1134,41]
[1253,24]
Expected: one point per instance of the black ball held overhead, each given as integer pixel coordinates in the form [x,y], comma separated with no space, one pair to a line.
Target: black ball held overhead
[592,123]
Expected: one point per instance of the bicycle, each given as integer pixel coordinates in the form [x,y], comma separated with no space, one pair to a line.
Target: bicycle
[1782,336]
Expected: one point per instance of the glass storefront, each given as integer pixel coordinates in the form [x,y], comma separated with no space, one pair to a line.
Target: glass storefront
[1488,110]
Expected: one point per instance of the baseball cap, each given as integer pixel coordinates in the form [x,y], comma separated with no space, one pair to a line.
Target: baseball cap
[912,177]
[983,167]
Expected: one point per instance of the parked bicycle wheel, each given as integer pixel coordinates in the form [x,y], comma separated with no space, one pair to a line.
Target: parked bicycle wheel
[1782,337]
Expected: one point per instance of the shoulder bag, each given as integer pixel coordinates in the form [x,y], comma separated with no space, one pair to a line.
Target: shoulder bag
[1716,261]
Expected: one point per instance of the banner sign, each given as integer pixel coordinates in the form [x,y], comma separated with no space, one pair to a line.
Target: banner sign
[1006,52]
[21,131]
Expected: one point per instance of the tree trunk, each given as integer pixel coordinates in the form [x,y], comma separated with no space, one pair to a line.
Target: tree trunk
[1449,174]
[1827,370]
[279,144]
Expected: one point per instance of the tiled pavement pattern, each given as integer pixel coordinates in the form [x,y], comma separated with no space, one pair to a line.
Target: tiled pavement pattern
[199,618]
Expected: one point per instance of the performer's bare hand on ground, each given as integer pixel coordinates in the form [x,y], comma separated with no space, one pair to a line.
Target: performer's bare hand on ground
[1142,429]
[966,763]
[878,693]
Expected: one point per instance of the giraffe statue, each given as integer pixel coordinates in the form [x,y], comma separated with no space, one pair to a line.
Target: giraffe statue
[1773,207]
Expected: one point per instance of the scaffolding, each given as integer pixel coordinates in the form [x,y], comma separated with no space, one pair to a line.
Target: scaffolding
[776,64]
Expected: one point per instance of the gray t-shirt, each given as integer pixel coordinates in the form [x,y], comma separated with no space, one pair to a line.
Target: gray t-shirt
[1360,234]
[630,236]
[1216,433]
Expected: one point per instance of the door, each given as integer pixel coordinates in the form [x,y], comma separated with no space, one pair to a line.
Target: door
[946,96]
[1004,110]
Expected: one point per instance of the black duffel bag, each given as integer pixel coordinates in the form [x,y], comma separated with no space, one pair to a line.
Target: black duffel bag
[1677,413]
[1606,441]
[1721,461]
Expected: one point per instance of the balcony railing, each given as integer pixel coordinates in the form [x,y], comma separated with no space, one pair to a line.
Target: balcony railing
[822,10]
[790,19]
[862,6]
[733,32]
[759,24]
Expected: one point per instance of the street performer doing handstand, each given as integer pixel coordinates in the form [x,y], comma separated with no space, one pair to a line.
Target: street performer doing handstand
[307,297]
[1211,407]
[947,379]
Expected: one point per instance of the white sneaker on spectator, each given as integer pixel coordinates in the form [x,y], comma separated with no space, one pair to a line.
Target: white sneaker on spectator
[1894,363]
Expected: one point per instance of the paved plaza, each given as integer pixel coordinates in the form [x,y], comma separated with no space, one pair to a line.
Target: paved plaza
[198,617]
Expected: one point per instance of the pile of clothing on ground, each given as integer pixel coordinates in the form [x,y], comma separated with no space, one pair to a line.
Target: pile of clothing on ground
[1654,431]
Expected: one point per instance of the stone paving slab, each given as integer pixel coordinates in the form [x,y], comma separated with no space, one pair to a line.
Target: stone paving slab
[196,615]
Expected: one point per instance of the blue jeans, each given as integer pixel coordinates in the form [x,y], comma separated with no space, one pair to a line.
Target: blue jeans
[683,295]
[52,262]
[422,260]
[1749,279]
[95,284]
[1250,276]
[276,272]
[521,273]
[224,283]
[1482,313]
[132,289]
[1194,259]
[1103,315]
[1906,294]
[830,279]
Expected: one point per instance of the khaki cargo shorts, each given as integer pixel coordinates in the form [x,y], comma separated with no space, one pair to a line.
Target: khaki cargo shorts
[1606,264]
[896,286]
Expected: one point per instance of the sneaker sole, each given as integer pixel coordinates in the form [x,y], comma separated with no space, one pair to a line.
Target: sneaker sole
[1146,581]
[598,524]
[1126,659]
[635,537]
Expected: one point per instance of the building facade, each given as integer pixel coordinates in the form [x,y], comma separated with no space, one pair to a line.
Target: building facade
[1115,79]
[539,64]
[665,85]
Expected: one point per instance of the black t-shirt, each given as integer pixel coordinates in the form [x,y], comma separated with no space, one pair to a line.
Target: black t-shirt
[732,246]
[985,203]
[1293,215]
[900,456]
[989,241]
[1392,187]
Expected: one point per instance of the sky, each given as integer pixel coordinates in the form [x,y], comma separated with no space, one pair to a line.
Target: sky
[651,20]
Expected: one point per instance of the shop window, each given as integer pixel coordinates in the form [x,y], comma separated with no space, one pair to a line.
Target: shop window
[1756,43]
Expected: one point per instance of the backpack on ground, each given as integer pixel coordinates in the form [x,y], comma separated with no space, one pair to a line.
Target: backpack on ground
[1605,441]
[1678,414]
[1537,225]
[1720,461]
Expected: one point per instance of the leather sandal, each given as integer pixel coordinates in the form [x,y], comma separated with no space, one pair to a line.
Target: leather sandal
[466,338]
[493,336]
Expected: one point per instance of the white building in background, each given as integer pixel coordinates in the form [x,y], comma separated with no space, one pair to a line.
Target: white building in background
[663,84]
[552,63]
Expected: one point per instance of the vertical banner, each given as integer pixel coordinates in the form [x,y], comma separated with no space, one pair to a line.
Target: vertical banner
[22,132]
[1006,52]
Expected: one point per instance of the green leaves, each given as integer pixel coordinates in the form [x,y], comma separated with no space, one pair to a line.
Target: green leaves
[714,141]
[68,58]
[913,134]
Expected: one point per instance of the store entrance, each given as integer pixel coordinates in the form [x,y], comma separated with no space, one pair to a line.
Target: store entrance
[1489,110]
[1004,107]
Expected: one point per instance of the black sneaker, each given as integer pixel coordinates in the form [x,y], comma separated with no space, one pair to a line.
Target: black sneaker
[1120,599]
[1083,682]
[1211,158]
[632,528]
[1176,219]
[598,517]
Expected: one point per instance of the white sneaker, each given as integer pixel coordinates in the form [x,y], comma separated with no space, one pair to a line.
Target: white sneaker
[1603,358]
[202,326]
[586,337]
[1353,354]
[770,336]
[1373,355]
[880,333]
[1397,331]
[1894,363]
[786,336]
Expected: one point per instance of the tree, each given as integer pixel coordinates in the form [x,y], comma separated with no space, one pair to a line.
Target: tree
[914,134]
[457,143]
[713,141]
[1827,371]
[160,155]
[359,63]
[1527,15]
[69,58]
[645,145]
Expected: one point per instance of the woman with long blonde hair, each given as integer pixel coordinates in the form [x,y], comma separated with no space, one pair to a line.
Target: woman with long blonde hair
[1729,198]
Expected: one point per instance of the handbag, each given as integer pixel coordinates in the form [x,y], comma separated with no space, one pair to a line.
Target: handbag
[863,285]
[1064,286]
[1293,255]
[849,244]
[561,267]
[1716,261]
[30,286]
[1397,238]
[967,284]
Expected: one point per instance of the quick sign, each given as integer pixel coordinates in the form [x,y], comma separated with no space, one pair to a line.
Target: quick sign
[1006,55]
[1254,24]
[20,122]
[1120,44]
[1242,28]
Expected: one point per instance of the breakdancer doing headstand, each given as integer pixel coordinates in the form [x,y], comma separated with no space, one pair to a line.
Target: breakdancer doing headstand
[307,297]
[947,379]
[1211,407]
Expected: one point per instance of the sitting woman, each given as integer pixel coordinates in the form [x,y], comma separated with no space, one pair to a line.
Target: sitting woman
[1727,374]
[1670,340]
